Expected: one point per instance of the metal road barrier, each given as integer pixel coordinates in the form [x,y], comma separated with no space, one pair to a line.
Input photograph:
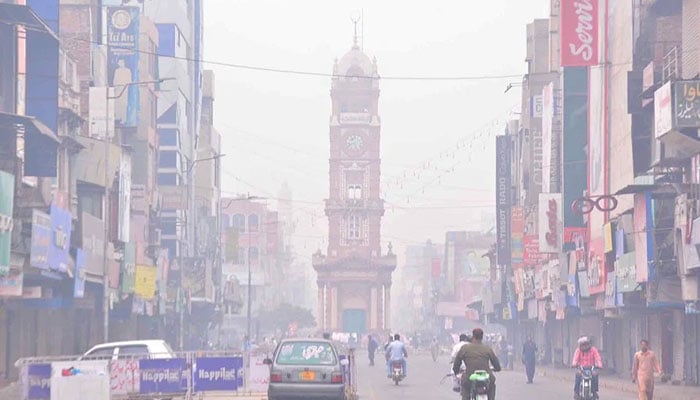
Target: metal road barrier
[184,375]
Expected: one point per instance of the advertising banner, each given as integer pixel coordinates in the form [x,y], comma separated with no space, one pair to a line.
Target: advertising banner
[579,33]
[626,273]
[145,281]
[663,110]
[7,196]
[550,222]
[80,380]
[531,251]
[123,41]
[125,377]
[80,274]
[61,226]
[163,376]
[517,226]
[643,239]
[128,270]
[124,229]
[503,199]
[93,243]
[547,124]
[536,106]
[36,381]
[687,104]
[597,275]
[259,374]
[11,284]
[41,240]
[217,374]
[575,142]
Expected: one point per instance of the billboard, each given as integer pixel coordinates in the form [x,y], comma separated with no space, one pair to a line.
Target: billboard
[41,240]
[686,95]
[7,196]
[547,122]
[123,41]
[61,226]
[579,32]
[93,243]
[549,222]
[663,110]
[503,199]
[124,230]
[574,142]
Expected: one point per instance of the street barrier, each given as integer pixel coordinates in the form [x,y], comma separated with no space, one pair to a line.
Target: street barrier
[185,375]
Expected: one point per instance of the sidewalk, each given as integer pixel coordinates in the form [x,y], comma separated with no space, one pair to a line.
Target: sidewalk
[662,391]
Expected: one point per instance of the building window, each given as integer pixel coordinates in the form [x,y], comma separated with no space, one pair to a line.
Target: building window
[167,179]
[167,159]
[254,255]
[238,222]
[353,227]
[240,256]
[253,222]
[355,192]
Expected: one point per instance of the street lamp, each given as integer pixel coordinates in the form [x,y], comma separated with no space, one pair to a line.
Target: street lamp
[250,274]
[105,270]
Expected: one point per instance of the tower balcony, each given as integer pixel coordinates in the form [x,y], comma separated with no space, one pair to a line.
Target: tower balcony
[369,205]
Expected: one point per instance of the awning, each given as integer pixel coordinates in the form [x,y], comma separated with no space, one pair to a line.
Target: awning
[23,15]
[31,124]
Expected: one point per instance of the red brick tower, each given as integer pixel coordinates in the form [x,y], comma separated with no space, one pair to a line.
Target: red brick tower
[354,278]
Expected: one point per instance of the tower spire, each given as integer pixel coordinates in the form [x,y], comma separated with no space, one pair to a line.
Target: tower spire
[355,20]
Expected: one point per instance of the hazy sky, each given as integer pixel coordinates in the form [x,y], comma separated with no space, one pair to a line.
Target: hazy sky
[275,126]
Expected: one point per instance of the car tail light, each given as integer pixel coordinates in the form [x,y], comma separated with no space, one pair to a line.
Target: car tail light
[337,378]
[275,377]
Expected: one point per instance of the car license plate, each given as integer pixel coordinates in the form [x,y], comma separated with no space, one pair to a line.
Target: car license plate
[308,375]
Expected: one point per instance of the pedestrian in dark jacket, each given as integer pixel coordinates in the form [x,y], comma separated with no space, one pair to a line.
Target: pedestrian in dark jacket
[529,357]
[372,346]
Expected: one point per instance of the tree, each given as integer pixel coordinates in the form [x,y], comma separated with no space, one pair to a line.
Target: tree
[285,315]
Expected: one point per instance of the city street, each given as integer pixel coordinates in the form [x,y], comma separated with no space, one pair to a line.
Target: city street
[424,377]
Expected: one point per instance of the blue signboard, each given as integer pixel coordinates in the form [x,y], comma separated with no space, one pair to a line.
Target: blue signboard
[163,376]
[38,382]
[61,225]
[123,41]
[41,240]
[79,287]
[217,374]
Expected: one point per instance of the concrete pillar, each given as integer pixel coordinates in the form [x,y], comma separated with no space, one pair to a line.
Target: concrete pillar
[373,309]
[334,307]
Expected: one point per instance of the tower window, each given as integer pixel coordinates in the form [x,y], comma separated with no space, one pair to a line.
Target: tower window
[353,227]
[253,222]
[354,192]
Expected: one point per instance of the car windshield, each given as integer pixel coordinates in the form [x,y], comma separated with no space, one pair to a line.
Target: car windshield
[306,353]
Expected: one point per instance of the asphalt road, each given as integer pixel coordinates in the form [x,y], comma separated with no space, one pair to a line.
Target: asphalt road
[424,375]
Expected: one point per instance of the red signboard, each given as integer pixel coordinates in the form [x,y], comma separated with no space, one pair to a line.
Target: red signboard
[436,267]
[579,33]
[597,273]
[531,251]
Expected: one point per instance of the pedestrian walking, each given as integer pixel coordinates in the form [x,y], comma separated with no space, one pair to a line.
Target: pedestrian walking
[372,346]
[643,368]
[529,358]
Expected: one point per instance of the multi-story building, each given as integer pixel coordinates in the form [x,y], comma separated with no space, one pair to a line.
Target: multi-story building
[612,252]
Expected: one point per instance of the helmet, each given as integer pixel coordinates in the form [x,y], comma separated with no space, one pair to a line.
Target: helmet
[584,340]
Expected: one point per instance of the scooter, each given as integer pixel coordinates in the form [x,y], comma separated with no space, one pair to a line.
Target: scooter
[397,372]
[586,391]
[480,381]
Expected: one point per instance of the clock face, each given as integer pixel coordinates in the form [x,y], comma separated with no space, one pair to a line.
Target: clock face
[355,142]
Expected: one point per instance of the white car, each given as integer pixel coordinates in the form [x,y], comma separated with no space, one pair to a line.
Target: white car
[154,349]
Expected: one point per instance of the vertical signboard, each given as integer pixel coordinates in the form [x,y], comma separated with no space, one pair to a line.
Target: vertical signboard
[547,121]
[61,226]
[549,222]
[643,238]
[80,274]
[575,140]
[663,110]
[597,274]
[579,32]
[124,230]
[7,196]
[128,270]
[41,240]
[145,281]
[503,199]
[123,41]
[93,243]
[517,226]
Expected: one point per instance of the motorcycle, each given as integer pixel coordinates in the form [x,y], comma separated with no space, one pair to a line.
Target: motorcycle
[397,372]
[480,381]
[586,391]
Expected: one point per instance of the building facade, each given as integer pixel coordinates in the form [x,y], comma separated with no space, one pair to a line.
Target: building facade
[354,278]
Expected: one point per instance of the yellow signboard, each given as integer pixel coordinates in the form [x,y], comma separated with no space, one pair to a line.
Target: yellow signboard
[146,276]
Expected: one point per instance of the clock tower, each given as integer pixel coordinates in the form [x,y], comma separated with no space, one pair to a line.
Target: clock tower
[354,277]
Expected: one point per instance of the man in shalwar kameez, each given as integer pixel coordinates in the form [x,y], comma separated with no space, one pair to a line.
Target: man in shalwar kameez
[643,368]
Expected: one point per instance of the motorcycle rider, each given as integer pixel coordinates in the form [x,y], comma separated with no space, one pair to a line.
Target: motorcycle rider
[476,356]
[396,351]
[586,356]
[463,339]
